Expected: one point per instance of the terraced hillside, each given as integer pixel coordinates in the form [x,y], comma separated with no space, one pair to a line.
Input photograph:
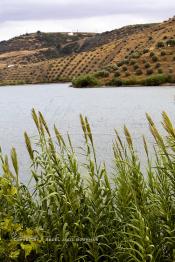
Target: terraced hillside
[37,47]
[138,51]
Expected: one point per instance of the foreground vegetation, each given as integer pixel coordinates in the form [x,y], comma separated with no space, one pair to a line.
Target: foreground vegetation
[75,214]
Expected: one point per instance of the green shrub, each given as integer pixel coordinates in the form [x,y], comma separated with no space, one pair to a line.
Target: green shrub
[102,73]
[154,58]
[160,71]
[149,71]
[115,82]
[152,54]
[127,74]
[133,62]
[136,67]
[156,80]
[171,78]
[147,65]
[145,51]
[124,68]
[139,72]
[136,54]
[110,68]
[158,65]
[115,67]
[119,64]
[131,81]
[125,61]
[85,81]
[163,53]
[170,70]
[117,74]
[170,42]
[160,44]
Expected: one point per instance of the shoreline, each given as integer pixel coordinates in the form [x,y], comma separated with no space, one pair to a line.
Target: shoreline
[85,87]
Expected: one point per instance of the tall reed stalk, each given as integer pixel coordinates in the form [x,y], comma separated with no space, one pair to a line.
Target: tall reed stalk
[68,216]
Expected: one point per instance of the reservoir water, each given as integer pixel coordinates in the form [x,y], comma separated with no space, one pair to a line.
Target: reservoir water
[106,109]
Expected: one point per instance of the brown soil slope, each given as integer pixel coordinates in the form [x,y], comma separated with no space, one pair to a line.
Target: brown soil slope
[39,46]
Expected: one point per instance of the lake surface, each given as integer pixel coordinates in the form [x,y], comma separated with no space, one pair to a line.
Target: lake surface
[106,109]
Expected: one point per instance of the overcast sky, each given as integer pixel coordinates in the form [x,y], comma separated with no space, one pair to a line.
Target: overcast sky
[26,16]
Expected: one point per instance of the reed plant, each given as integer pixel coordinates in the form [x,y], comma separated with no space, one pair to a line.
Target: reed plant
[75,213]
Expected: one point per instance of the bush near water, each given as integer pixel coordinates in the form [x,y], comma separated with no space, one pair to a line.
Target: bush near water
[152,80]
[85,81]
[65,215]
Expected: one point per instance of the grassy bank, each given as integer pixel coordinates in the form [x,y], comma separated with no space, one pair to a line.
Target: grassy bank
[67,218]
[108,80]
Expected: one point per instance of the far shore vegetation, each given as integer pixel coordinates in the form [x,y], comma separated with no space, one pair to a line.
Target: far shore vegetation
[93,80]
[103,78]
[70,213]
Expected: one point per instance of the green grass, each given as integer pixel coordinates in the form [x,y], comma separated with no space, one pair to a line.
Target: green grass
[63,216]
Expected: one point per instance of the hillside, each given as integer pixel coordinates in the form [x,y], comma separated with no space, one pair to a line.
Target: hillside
[39,46]
[132,51]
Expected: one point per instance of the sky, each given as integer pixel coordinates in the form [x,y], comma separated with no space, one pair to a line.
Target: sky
[26,16]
